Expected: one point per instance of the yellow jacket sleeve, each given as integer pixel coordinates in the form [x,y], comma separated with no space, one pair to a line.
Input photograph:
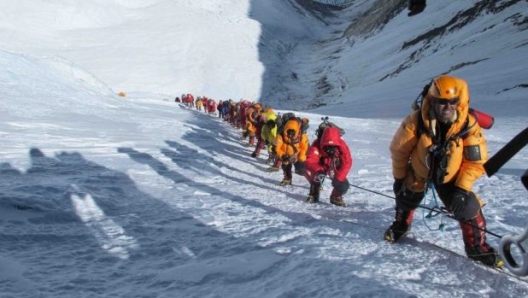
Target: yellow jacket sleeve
[402,145]
[303,147]
[475,154]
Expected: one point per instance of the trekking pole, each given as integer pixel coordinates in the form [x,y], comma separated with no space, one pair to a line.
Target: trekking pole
[439,210]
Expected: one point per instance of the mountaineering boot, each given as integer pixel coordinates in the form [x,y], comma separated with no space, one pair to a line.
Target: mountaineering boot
[336,198]
[313,196]
[400,227]
[474,235]
[276,166]
[285,182]
[270,160]
[338,201]
[273,169]
[255,154]
[312,199]
[484,254]
[245,134]
[396,231]
[251,142]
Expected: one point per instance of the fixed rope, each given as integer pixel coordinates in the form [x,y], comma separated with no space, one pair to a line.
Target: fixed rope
[433,209]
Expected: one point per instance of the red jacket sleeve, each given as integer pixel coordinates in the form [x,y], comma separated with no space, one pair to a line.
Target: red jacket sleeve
[346,162]
[312,158]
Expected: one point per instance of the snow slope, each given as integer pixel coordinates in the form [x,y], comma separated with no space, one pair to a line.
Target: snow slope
[137,196]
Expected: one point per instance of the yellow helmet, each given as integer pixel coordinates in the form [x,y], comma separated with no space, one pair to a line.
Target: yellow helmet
[446,87]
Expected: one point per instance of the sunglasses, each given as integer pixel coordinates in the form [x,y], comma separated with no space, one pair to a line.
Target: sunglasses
[443,101]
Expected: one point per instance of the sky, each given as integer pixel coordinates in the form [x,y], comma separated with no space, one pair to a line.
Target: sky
[139,196]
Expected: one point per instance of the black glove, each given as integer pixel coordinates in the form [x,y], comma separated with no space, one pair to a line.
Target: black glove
[286,158]
[398,186]
[300,167]
[459,201]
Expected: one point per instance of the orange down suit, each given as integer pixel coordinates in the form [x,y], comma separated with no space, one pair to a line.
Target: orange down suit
[410,151]
[295,148]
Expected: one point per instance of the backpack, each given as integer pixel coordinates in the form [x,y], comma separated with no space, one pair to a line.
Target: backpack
[287,116]
[281,121]
[304,123]
[324,125]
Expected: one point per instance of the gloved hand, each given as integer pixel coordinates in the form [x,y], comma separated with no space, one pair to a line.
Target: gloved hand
[398,186]
[300,167]
[459,200]
[285,158]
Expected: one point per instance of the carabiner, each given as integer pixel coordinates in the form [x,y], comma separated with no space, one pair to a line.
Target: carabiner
[521,241]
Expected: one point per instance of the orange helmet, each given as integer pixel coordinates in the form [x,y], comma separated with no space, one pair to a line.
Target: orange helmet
[446,87]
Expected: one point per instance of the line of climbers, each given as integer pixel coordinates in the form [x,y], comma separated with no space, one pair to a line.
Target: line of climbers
[440,145]
[229,110]
[208,104]
[289,149]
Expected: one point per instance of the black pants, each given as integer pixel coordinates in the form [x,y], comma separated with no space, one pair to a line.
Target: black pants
[287,170]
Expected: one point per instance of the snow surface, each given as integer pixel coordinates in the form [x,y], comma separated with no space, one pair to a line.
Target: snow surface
[138,196]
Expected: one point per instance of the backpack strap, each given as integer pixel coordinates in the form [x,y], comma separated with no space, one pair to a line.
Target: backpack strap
[420,126]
